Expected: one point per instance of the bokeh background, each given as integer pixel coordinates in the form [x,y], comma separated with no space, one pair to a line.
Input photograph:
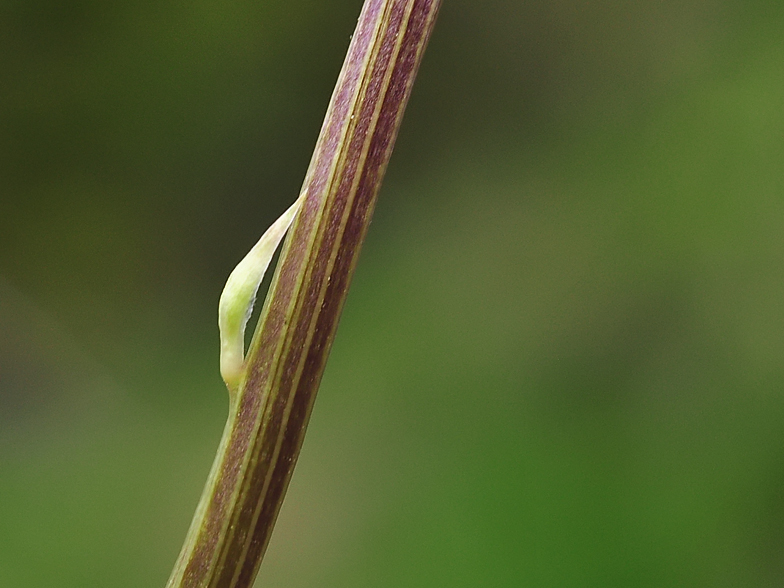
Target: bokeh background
[561,363]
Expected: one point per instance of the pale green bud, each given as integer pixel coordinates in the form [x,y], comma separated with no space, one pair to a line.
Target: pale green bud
[239,294]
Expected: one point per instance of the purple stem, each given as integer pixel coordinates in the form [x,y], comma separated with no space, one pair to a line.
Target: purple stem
[267,422]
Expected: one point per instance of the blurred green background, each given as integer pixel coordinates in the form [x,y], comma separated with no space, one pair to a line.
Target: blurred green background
[561,363]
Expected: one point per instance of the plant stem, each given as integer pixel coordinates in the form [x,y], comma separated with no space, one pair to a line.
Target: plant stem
[269,414]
